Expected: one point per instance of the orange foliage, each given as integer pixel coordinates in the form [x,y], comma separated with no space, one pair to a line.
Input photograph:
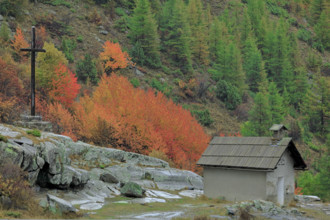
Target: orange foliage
[297,191]
[64,86]
[10,84]
[20,42]
[7,107]
[62,120]
[113,57]
[139,121]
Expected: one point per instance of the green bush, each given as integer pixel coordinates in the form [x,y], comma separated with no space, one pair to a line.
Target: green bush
[80,38]
[34,132]
[86,69]
[228,94]
[4,32]
[135,82]
[57,3]
[203,116]
[68,45]
[304,35]
[162,87]
[120,12]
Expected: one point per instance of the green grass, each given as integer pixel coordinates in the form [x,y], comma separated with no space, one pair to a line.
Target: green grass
[34,132]
[192,207]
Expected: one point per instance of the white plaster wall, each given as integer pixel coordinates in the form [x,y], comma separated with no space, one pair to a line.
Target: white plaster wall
[284,169]
[234,185]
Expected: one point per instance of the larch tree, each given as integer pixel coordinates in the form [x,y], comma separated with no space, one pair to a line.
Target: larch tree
[199,34]
[276,104]
[252,64]
[176,34]
[259,117]
[143,29]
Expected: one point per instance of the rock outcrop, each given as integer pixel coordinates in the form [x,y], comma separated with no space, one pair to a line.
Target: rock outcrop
[94,173]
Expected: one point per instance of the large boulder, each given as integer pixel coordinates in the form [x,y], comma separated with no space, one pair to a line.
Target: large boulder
[132,189]
[108,178]
[58,205]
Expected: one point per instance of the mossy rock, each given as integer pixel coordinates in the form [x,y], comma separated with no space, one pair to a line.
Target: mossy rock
[132,189]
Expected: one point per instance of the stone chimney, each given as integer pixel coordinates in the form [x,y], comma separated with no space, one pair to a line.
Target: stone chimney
[279,132]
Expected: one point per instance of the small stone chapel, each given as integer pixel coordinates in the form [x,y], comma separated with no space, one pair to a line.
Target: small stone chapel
[249,168]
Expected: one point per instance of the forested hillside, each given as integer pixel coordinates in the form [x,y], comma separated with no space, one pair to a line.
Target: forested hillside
[161,77]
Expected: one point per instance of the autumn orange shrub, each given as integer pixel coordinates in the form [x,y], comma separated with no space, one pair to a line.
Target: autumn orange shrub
[62,120]
[10,84]
[19,42]
[113,57]
[132,119]
[64,86]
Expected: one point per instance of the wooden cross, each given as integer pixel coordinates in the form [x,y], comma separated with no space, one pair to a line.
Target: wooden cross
[33,51]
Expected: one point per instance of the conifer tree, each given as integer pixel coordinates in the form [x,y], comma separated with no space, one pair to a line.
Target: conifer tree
[260,116]
[228,65]
[176,34]
[318,105]
[252,64]
[276,104]
[198,27]
[217,36]
[317,7]
[256,11]
[143,29]
[322,30]
[245,26]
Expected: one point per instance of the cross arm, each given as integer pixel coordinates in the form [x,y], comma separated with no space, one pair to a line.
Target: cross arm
[32,50]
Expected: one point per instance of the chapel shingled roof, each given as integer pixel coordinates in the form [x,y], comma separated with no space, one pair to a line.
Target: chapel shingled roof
[249,153]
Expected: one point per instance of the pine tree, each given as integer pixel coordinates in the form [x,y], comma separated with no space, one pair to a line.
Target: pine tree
[322,29]
[252,64]
[260,115]
[256,11]
[198,27]
[318,105]
[143,29]
[176,34]
[228,65]
[217,36]
[276,104]
[317,7]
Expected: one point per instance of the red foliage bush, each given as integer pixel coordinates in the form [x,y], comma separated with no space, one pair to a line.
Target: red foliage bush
[64,87]
[131,119]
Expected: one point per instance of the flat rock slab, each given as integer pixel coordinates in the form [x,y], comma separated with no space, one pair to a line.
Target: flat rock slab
[58,205]
[157,215]
[147,200]
[165,195]
[6,131]
[191,193]
[91,206]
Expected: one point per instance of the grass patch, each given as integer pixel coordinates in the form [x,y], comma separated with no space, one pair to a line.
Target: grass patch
[193,208]
[3,138]
[34,132]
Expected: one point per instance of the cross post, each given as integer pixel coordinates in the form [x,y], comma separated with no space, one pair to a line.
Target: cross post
[33,51]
